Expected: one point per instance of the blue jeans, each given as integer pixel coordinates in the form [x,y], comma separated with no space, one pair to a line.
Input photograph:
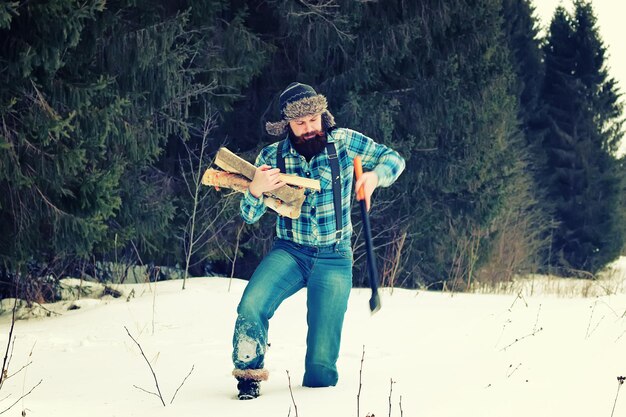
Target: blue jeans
[326,272]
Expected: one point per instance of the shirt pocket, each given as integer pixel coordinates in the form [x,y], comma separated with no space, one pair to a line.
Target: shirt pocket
[347,175]
[325,178]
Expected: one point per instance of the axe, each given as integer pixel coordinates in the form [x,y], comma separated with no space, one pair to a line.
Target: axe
[371,260]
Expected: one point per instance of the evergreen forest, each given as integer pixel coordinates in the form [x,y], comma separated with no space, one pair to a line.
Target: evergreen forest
[111,110]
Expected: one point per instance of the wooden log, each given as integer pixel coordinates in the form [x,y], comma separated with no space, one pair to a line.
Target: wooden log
[216,178]
[237,182]
[230,162]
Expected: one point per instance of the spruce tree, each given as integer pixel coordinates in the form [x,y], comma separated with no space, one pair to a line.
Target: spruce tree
[521,28]
[54,190]
[584,122]
[524,244]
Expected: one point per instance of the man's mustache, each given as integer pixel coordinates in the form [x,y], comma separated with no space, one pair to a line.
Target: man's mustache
[309,136]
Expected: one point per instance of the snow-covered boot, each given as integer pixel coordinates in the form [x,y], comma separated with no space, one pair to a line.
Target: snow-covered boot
[249,382]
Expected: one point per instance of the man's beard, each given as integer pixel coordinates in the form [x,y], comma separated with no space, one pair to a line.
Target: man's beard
[308,147]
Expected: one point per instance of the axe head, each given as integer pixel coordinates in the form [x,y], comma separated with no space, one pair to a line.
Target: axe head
[374,302]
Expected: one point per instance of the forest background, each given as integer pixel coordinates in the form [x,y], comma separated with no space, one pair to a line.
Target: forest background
[111,110]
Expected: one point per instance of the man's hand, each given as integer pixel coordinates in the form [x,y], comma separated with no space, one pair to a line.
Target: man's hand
[369,181]
[265,179]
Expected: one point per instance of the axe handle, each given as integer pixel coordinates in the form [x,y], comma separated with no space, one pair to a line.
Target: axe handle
[369,246]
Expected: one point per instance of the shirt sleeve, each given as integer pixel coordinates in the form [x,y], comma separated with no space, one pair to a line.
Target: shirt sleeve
[384,161]
[251,207]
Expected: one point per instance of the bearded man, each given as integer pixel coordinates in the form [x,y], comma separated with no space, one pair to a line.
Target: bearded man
[314,250]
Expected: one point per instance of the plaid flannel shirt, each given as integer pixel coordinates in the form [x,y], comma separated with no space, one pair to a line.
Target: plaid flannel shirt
[316,224]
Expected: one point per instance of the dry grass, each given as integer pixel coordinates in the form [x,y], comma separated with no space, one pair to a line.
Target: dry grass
[612,280]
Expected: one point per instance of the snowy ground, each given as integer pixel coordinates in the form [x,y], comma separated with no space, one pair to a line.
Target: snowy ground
[549,353]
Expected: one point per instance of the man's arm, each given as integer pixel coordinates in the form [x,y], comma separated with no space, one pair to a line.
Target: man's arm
[383,163]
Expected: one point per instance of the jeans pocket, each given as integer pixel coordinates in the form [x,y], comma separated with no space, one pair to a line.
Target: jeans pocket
[345,253]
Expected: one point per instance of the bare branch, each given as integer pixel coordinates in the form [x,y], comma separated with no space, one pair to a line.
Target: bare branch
[390,392]
[620,382]
[326,11]
[292,399]
[22,397]
[521,338]
[146,391]
[182,383]
[232,271]
[156,381]
[358,395]
[19,370]
[6,361]
[192,171]
[514,370]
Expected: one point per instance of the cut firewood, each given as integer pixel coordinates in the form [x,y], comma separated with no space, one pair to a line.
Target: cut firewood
[216,178]
[300,182]
[221,179]
[230,162]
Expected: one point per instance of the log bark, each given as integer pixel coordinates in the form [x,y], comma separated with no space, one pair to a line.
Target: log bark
[237,182]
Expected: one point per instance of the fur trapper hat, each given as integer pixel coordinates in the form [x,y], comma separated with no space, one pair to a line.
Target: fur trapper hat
[299,100]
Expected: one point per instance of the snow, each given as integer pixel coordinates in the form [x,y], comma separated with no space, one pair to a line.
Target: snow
[545,352]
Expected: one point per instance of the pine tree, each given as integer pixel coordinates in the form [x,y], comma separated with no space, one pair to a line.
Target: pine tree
[584,124]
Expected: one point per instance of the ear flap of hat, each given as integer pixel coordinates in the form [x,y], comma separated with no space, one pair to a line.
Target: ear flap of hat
[328,120]
[276,128]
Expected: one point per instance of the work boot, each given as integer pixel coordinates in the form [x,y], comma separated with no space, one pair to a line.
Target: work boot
[248,389]
[249,382]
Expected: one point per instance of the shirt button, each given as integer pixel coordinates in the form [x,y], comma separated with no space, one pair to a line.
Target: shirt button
[308,174]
